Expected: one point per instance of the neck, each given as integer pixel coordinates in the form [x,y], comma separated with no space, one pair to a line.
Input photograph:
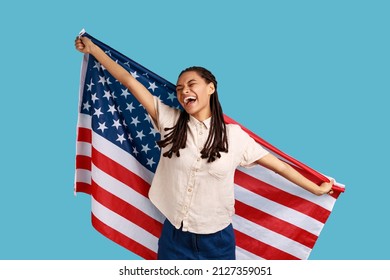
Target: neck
[201,116]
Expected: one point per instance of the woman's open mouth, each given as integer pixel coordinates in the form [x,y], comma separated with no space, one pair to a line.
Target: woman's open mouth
[189,100]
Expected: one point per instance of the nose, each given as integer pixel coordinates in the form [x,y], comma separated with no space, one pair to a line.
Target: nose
[186,89]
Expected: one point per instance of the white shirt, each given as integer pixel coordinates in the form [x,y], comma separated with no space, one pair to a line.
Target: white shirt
[188,190]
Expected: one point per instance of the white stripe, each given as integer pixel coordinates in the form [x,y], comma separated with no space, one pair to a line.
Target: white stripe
[242,254]
[125,193]
[272,238]
[120,156]
[83,149]
[112,151]
[271,178]
[278,210]
[84,121]
[124,226]
[83,176]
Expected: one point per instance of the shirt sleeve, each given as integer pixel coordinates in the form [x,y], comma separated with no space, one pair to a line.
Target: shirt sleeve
[166,116]
[252,152]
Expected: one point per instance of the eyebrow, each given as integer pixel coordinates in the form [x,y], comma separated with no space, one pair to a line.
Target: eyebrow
[192,80]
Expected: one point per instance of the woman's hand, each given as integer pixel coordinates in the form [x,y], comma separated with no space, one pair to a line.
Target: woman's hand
[326,187]
[84,44]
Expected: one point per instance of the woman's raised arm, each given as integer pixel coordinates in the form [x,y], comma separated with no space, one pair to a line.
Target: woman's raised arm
[141,93]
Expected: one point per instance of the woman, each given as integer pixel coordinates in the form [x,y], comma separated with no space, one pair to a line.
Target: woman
[194,182]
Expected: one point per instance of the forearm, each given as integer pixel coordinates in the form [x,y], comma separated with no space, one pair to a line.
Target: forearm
[125,78]
[115,70]
[285,170]
[295,177]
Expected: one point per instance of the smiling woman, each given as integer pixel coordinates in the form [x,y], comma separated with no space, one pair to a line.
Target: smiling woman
[197,93]
[194,92]
[193,186]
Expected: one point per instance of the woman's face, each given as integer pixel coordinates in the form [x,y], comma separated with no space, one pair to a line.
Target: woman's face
[193,93]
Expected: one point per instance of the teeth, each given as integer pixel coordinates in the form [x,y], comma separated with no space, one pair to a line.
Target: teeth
[189,98]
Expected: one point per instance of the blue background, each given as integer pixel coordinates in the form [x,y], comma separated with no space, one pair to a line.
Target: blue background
[310,77]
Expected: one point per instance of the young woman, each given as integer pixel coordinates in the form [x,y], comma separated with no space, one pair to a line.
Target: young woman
[194,182]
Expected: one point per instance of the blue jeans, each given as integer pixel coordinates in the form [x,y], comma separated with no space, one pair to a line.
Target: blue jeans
[175,244]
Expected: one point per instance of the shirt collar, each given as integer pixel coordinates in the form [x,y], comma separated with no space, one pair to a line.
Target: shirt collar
[206,123]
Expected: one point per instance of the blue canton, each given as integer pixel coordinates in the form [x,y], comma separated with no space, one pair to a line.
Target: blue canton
[116,114]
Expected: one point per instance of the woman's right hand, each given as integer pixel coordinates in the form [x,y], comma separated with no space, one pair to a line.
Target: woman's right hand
[84,44]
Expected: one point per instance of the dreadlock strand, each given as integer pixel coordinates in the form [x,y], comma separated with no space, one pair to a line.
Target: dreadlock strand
[217,139]
[177,136]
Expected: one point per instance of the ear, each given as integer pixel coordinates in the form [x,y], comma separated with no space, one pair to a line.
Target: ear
[211,88]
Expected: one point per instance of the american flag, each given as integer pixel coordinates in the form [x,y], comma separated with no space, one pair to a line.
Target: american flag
[117,155]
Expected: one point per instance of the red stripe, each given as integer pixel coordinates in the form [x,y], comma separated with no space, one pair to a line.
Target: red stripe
[83,162]
[270,192]
[123,240]
[126,210]
[261,249]
[84,135]
[120,172]
[275,224]
[83,187]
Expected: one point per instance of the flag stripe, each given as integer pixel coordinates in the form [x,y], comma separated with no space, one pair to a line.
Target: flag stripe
[277,225]
[123,240]
[120,173]
[84,135]
[242,254]
[261,249]
[269,237]
[83,162]
[265,175]
[126,210]
[124,226]
[84,176]
[284,198]
[83,187]
[84,149]
[126,193]
[277,210]
[122,157]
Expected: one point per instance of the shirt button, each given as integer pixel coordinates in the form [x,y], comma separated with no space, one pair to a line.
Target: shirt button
[200,133]
[189,190]
[198,159]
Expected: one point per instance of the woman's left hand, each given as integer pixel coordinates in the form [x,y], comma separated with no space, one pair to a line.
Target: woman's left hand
[326,187]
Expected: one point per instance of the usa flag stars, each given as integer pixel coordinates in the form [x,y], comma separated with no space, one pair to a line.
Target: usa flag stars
[118,116]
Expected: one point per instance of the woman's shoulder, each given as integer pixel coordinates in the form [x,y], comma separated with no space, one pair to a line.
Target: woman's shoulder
[166,115]
[234,127]
[235,131]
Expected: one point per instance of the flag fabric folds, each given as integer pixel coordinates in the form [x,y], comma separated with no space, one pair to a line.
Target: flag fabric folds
[117,155]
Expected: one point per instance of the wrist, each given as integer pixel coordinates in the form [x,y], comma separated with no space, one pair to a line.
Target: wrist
[92,48]
[320,191]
